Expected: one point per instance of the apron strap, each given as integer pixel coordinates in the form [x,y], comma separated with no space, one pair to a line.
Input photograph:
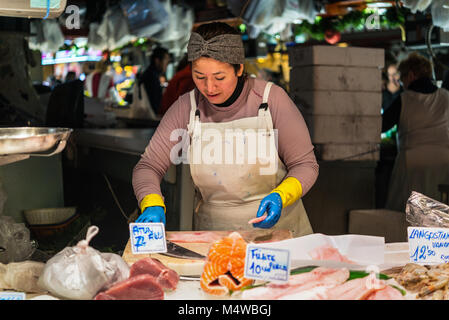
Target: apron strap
[194,112]
[264,111]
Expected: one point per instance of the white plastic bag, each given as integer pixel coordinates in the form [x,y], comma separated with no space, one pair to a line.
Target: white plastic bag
[47,35]
[79,272]
[440,14]
[114,30]
[416,5]
[53,36]
[274,16]
[180,23]
[145,17]
[94,40]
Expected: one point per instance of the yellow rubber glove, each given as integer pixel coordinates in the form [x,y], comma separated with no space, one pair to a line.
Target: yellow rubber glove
[152,200]
[290,190]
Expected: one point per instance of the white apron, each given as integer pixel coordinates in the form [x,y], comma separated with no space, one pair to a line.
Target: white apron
[232,180]
[423,140]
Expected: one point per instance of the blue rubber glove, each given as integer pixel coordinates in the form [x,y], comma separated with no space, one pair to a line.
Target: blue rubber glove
[152,214]
[272,204]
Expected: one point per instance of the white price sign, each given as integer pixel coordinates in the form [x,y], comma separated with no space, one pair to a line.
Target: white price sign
[428,245]
[7,295]
[52,4]
[147,238]
[267,263]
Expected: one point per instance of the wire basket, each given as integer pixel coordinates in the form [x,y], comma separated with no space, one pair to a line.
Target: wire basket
[49,216]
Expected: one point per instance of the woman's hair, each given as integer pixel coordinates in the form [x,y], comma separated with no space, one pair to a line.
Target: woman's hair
[158,53]
[419,65]
[213,29]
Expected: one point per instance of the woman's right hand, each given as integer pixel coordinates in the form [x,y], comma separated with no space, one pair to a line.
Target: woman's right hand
[152,214]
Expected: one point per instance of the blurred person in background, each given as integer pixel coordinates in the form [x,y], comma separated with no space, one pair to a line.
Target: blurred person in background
[392,87]
[151,77]
[421,113]
[71,75]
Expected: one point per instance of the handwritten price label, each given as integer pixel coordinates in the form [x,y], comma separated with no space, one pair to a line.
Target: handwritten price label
[44,3]
[267,263]
[428,245]
[7,295]
[147,238]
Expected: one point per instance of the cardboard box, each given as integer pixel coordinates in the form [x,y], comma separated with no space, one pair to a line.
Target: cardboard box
[335,78]
[336,56]
[344,129]
[338,102]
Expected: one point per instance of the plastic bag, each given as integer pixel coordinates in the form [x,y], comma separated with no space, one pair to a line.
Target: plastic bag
[15,244]
[94,40]
[416,5]
[440,14]
[275,16]
[114,30]
[180,23]
[79,272]
[145,17]
[21,276]
[48,36]
[422,211]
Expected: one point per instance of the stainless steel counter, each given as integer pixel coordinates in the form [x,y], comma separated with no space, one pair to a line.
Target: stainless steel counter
[133,141]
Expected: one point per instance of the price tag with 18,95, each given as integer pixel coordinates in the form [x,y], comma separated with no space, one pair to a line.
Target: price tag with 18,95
[147,238]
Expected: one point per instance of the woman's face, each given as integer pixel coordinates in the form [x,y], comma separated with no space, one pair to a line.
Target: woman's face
[393,74]
[216,80]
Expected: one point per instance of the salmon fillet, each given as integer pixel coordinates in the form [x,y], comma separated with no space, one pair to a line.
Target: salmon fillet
[224,267]
[258,219]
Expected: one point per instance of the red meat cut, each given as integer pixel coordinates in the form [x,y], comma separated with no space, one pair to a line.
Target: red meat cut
[141,287]
[165,276]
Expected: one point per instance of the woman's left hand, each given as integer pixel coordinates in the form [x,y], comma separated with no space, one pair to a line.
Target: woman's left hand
[272,204]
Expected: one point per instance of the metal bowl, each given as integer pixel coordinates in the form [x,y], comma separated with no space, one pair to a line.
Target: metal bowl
[29,140]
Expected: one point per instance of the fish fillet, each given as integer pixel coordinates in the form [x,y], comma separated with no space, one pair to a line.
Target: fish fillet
[257,220]
[165,276]
[140,287]
[356,289]
[327,252]
[387,293]
[224,268]
[299,283]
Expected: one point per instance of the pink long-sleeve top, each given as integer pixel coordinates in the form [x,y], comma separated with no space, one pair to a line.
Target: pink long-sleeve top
[295,148]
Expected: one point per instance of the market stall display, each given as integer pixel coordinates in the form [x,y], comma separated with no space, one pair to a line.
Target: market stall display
[200,242]
[425,282]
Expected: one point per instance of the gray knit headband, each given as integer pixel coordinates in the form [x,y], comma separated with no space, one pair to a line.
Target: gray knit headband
[226,48]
